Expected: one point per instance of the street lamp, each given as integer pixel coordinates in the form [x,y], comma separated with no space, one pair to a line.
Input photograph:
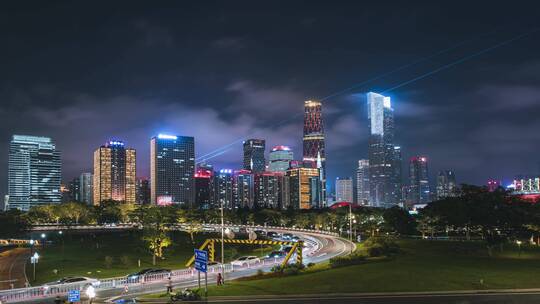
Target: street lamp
[60,233]
[32,247]
[222,244]
[34,260]
[519,246]
[43,240]
[91,293]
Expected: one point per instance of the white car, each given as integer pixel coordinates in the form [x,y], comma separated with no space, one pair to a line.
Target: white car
[246,260]
[82,282]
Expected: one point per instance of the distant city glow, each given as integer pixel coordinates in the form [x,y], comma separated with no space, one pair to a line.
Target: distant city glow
[281,148]
[225,171]
[166,136]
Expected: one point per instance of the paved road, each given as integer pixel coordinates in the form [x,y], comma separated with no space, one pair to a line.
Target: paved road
[436,298]
[12,263]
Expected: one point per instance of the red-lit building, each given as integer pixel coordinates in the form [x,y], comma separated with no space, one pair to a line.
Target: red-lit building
[314,146]
[204,187]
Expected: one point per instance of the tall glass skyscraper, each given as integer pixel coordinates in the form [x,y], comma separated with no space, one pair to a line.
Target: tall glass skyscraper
[114,173]
[384,157]
[280,158]
[314,147]
[223,182]
[344,190]
[34,172]
[254,155]
[172,169]
[419,183]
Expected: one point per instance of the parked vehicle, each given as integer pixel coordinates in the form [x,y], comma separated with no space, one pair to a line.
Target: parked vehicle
[147,272]
[84,283]
[246,260]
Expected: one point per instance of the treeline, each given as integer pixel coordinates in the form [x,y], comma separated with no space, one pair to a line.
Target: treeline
[494,216]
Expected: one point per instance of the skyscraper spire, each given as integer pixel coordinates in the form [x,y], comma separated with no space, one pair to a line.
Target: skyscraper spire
[314,148]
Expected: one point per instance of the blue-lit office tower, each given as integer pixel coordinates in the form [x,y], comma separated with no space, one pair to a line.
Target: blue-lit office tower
[280,159]
[34,172]
[172,169]
[383,181]
[419,192]
[254,155]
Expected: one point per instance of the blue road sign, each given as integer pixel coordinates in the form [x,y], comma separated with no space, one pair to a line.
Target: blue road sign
[74,295]
[201,260]
[201,266]
[201,255]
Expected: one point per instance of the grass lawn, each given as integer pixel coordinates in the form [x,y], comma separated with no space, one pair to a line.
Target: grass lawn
[424,266]
[84,254]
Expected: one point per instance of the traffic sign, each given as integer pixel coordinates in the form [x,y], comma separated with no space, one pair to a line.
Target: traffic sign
[201,266]
[201,255]
[74,295]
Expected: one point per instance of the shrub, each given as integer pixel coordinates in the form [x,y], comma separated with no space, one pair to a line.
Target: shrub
[381,246]
[125,260]
[289,269]
[108,261]
[352,259]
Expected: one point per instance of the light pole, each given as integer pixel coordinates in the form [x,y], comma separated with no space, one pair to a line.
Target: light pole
[34,259]
[62,237]
[519,248]
[350,222]
[31,247]
[43,240]
[222,244]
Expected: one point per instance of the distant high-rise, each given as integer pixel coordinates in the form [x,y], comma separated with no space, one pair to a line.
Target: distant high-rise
[280,158]
[385,188]
[204,186]
[418,180]
[344,190]
[493,184]
[86,188]
[143,191]
[74,188]
[34,172]
[267,189]
[223,189]
[114,173]
[243,189]
[172,169]
[314,147]
[446,184]
[305,188]
[362,182]
[254,155]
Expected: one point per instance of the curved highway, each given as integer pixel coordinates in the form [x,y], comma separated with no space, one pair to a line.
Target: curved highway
[319,246]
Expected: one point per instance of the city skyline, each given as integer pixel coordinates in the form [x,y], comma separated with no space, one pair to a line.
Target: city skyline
[164,92]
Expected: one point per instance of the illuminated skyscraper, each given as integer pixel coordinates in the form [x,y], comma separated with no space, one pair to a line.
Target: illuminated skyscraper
[314,148]
[114,173]
[446,184]
[267,189]
[254,155]
[344,190]
[280,158]
[362,182]
[305,188]
[384,187]
[172,170]
[204,186]
[418,180]
[34,172]
[243,189]
[223,189]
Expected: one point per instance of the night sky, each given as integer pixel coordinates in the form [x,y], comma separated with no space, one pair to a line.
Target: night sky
[83,73]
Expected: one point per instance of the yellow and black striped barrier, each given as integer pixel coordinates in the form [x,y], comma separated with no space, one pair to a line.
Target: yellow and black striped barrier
[210,244]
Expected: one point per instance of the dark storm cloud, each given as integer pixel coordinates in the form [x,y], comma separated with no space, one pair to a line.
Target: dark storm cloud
[83,73]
